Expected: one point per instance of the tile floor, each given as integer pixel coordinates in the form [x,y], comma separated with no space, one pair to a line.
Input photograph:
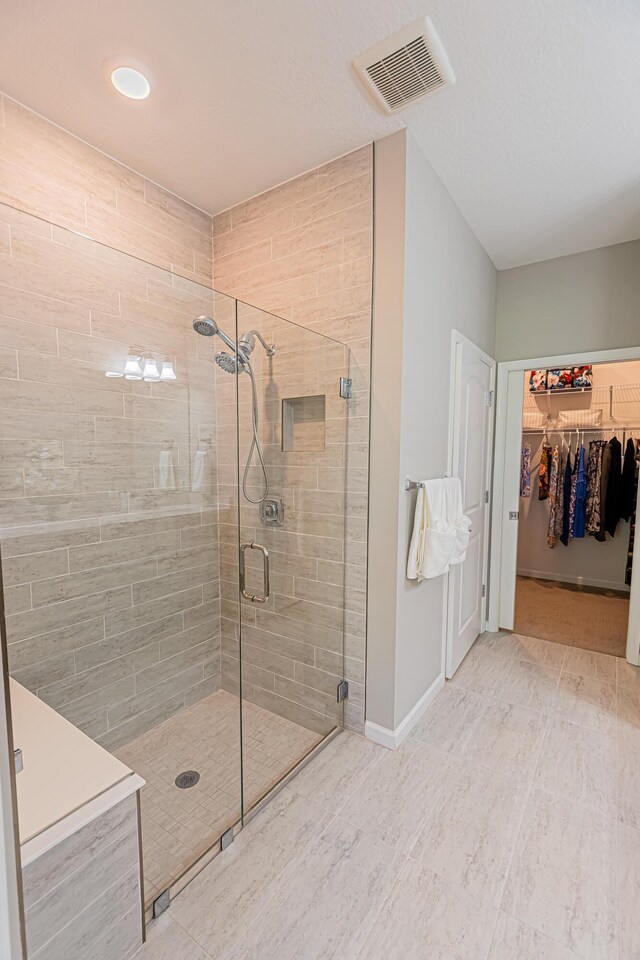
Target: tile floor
[179,825]
[507,827]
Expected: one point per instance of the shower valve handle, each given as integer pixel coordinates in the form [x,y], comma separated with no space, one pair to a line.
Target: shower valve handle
[255,598]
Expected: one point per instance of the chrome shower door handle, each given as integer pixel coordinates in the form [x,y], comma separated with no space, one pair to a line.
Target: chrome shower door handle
[255,598]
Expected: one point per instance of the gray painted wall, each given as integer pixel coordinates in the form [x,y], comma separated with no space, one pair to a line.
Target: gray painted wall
[447,282]
[588,301]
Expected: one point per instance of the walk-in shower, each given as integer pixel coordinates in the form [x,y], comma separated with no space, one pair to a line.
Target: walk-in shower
[238,363]
[123,517]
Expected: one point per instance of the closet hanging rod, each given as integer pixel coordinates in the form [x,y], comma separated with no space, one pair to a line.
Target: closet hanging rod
[608,428]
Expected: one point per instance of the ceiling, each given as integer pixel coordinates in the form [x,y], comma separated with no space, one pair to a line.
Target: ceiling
[538,142]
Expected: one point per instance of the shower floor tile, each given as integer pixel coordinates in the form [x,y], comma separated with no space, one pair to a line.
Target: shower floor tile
[180,825]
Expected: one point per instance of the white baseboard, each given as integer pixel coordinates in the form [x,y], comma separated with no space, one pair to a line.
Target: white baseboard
[568,578]
[393,738]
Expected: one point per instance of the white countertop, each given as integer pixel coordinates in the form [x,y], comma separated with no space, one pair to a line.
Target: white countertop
[63,768]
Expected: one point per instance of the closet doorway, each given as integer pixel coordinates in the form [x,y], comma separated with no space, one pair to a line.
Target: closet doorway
[578,489]
[566,483]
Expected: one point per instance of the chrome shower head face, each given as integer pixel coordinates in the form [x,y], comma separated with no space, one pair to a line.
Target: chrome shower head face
[205,326]
[228,363]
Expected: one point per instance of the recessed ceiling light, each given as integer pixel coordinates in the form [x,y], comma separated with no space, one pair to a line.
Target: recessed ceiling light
[131,83]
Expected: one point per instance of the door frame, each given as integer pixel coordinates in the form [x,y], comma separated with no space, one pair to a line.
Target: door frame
[457,340]
[503,466]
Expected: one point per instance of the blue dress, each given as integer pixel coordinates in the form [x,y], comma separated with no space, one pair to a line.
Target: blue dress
[566,505]
[581,495]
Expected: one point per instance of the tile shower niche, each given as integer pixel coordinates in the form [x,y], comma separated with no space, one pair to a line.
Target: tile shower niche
[304,423]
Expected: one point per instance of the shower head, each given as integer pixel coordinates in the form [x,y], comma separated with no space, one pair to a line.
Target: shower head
[205,326]
[228,363]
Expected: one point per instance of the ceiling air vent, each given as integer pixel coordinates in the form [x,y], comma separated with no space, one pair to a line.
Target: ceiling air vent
[405,67]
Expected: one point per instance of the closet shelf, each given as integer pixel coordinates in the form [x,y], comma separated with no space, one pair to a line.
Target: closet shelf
[567,391]
[599,392]
[621,394]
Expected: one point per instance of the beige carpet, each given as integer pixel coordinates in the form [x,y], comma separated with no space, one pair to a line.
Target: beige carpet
[586,617]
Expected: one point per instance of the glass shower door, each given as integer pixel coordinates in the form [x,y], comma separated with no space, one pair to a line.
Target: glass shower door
[292,449]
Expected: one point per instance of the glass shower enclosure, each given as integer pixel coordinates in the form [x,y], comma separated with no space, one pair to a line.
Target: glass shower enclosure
[172,516]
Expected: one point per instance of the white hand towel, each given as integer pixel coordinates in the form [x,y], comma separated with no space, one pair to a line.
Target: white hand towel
[463,533]
[440,529]
[166,472]
[440,537]
[433,538]
[199,463]
[460,521]
[416,548]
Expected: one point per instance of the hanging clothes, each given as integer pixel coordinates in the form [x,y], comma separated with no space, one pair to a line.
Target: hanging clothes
[544,471]
[627,484]
[614,484]
[566,503]
[525,471]
[581,494]
[604,483]
[594,479]
[554,528]
[632,518]
[560,496]
[573,493]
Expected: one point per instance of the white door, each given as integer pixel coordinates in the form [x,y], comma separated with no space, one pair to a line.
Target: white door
[511,500]
[470,460]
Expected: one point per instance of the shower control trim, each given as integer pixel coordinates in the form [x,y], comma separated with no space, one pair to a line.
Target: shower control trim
[272,512]
[254,597]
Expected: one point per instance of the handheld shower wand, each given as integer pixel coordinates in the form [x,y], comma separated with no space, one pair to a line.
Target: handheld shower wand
[236,364]
[207,327]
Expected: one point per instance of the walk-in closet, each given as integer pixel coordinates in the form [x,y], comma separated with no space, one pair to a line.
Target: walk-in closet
[578,493]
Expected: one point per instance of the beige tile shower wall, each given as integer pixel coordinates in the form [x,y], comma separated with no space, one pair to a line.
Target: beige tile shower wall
[110,567]
[51,174]
[303,251]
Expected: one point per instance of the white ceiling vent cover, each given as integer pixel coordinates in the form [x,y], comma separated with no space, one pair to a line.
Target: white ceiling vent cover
[405,67]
